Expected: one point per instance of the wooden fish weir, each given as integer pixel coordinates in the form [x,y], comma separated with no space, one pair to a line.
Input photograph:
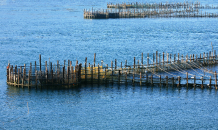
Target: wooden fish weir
[185,5]
[159,70]
[48,75]
[140,10]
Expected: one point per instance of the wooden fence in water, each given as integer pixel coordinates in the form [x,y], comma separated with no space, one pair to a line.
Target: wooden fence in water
[140,10]
[185,5]
[157,70]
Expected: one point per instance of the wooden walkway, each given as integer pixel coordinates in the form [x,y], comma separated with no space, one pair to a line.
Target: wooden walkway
[162,69]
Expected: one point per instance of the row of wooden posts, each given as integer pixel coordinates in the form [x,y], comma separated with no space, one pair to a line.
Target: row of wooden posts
[151,72]
[138,10]
[140,13]
[161,5]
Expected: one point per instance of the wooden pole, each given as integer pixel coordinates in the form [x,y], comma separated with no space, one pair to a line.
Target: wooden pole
[142,60]
[134,63]
[29,79]
[187,79]
[146,78]
[91,73]
[167,81]
[98,74]
[202,79]
[179,79]
[156,57]
[173,81]
[147,59]
[210,83]
[160,80]
[36,80]
[194,81]
[151,79]
[18,78]
[94,58]
[215,80]
[40,62]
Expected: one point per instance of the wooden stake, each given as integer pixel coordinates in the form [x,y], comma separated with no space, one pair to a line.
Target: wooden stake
[40,61]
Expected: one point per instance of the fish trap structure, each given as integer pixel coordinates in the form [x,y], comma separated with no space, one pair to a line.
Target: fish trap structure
[155,10]
[159,69]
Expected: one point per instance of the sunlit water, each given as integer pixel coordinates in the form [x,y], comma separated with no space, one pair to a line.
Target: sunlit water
[57,30]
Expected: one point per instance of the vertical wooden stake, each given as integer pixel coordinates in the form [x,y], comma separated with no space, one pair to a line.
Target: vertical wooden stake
[194,81]
[215,80]
[98,73]
[173,81]
[160,80]
[91,73]
[36,80]
[146,78]
[18,78]
[40,62]
[151,79]
[147,59]
[202,79]
[187,79]
[210,83]
[179,79]
[142,60]
[167,81]
[94,58]
[29,79]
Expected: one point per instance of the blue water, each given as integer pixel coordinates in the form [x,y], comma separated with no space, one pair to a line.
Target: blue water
[56,29]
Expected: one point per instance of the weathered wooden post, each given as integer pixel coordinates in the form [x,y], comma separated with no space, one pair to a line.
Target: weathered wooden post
[94,58]
[146,78]
[167,81]
[134,63]
[68,75]
[92,74]
[112,73]
[215,79]
[210,83]
[126,78]
[156,58]
[36,79]
[179,79]
[23,79]
[202,79]
[29,74]
[98,73]
[147,59]
[63,74]
[160,80]
[18,78]
[8,69]
[173,81]
[115,64]
[40,62]
[178,58]
[142,59]
[187,79]
[151,79]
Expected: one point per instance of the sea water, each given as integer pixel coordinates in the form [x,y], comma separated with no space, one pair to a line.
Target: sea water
[57,30]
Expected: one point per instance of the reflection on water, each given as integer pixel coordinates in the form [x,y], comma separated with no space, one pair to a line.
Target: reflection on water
[115,106]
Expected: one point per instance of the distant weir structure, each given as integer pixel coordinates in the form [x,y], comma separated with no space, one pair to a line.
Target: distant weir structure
[157,69]
[154,10]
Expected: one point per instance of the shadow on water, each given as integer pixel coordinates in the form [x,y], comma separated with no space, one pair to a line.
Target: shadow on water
[114,88]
